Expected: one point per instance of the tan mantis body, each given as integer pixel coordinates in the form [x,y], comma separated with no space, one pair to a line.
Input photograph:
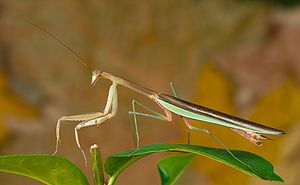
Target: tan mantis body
[169,104]
[111,107]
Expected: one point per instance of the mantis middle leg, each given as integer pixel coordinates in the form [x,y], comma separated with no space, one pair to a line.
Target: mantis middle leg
[166,117]
[155,115]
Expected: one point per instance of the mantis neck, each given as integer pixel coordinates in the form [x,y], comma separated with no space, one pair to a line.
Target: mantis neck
[130,85]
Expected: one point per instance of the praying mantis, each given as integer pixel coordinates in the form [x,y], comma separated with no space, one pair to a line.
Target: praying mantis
[169,104]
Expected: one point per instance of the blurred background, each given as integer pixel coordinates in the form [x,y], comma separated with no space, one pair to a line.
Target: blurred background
[240,57]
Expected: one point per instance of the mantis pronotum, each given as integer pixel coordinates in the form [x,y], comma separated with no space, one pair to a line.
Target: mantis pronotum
[169,104]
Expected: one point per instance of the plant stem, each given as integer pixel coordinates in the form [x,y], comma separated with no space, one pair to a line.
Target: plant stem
[97,166]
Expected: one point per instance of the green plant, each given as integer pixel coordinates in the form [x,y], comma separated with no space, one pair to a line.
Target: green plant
[56,170]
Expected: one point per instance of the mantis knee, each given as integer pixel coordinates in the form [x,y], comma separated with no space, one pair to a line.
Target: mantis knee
[79,126]
[199,129]
[58,122]
[133,102]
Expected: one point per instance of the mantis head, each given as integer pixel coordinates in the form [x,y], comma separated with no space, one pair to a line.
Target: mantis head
[96,75]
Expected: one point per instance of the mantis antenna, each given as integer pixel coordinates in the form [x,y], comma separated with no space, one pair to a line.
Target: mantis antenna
[62,44]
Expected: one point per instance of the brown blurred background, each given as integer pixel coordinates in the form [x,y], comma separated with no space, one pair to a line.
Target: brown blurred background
[240,57]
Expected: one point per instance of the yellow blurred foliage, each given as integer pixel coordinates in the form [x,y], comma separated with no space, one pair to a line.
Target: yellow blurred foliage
[279,108]
[11,104]
[213,89]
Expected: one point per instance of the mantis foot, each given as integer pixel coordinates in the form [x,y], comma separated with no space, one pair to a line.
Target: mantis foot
[133,152]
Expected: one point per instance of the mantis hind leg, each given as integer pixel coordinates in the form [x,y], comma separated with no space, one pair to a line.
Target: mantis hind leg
[154,114]
[188,130]
[190,127]
[173,89]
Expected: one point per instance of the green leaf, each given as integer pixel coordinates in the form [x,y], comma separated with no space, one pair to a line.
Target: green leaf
[260,167]
[44,168]
[171,167]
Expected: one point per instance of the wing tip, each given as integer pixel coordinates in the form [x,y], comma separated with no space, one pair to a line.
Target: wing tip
[279,132]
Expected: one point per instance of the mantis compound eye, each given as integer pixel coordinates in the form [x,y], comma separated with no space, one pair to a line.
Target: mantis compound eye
[96,74]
